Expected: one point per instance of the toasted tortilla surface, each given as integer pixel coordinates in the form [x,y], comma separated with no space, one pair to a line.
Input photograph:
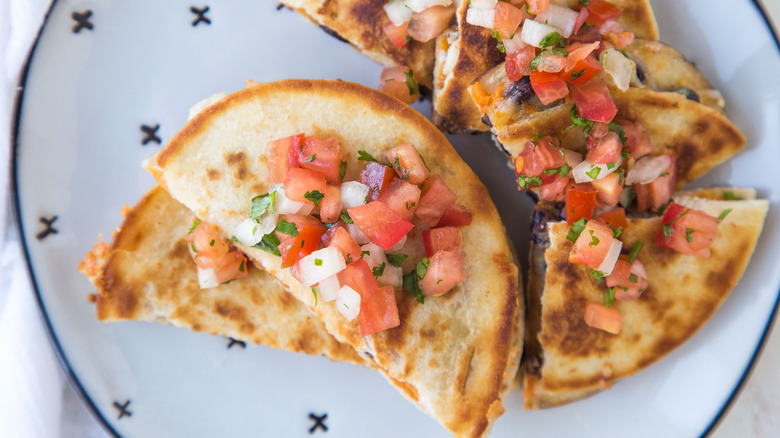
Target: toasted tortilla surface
[455,355]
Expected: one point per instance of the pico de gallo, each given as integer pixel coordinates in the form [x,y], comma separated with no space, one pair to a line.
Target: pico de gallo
[617,175]
[346,239]
[553,52]
[217,263]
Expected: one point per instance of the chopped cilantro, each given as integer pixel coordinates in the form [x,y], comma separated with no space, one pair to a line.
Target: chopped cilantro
[194,225]
[317,262]
[364,253]
[422,267]
[312,158]
[688,234]
[593,239]
[634,252]
[585,2]
[729,196]
[596,274]
[593,173]
[617,232]
[314,292]
[633,278]
[378,271]
[525,182]
[396,259]
[609,296]
[724,213]
[212,242]
[577,120]
[663,208]
[288,228]
[365,156]
[663,174]
[411,285]
[269,243]
[610,166]
[618,129]
[551,39]
[262,204]
[411,84]
[342,170]
[345,217]
[577,74]
[500,45]
[315,197]
[576,230]
[562,52]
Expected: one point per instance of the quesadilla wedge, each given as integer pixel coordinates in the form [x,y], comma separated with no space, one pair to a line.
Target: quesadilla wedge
[566,359]
[147,274]
[360,22]
[455,355]
[672,100]
[466,51]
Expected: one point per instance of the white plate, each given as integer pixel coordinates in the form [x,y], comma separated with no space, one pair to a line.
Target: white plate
[78,153]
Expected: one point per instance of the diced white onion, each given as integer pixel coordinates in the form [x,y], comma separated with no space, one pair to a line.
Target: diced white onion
[572,158]
[514,44]
[207,278]
[619,67]
[580,172]
[348,303]
[353,194]
[481,17]
[483,4]
[393,276]
[534,32]
[611,259]
[398,12]
[268,222]
[329,288]
[372,254]
[359,236]
[559,16]
[248,232]
[398,246]
[647,169]
[285,205]
[320,265]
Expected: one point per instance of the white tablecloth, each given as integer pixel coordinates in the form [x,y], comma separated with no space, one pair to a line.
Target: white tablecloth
[36,400]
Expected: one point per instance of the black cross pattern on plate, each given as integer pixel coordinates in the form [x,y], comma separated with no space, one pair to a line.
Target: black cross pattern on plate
[201,15]
[122,409]
[319,422]
[82,20]
[48,222]
[150,134]
[233,342]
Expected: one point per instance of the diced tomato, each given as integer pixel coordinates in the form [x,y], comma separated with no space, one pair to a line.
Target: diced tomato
[594,102]
[231,266]
[615,217]
[602,317]
[580,202]
[629,280]
[637,138]
[402,197]
[592,247]
[548,87]
[342,240]
[294,248]
[653,195]
[506,20]
[445,270]
[282,155]
[359,277]
[396,34]
[376,176]
[537,156]
[456,215]
[555,190]
[550,62]
[600,11]
[378,311]
[299,182]
[323,156]
[581,18]
[598,131]
[607,150]
[621,40]
[584,70]
[380,224]
[207,247]
[436,198]
[687,231]
[578,52]
[330,206]
[518,64]
[441,239]
[395,82]
[430,23]
[609,188]
[408,163]
[536,7]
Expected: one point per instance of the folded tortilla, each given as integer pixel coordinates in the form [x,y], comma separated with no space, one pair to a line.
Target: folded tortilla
[681,112]
[358,23]
[455,355]
[147,274]
[566,360]
[466,51]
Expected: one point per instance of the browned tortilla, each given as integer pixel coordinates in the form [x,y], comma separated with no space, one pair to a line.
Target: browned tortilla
[474,52]
[358,22]
[148,274]
[683,294]
[454,355]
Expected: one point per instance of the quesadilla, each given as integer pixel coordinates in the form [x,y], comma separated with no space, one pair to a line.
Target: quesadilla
[455,355]
[466,51]
[565,359]
[147,274]
[673,101]
[359,22]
